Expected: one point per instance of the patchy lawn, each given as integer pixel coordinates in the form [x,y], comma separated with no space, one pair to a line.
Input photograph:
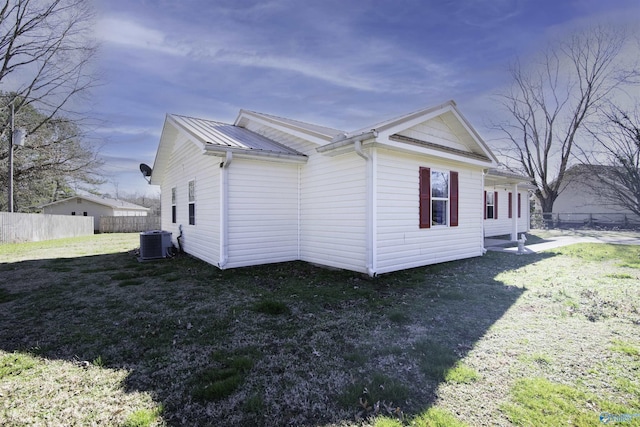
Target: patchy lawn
[89,335]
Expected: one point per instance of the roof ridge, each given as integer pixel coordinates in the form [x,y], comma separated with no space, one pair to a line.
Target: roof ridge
[199,118]
[313,127]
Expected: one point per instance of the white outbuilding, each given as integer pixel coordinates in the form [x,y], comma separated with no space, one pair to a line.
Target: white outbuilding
[94,206]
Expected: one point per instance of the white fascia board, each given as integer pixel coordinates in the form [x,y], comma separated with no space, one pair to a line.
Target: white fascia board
[166,146]
[407,123]
[427,151]
[477,138]
[162,154]
[386,132]
[214,150]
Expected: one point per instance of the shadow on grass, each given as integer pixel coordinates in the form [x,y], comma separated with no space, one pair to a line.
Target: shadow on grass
[270,345]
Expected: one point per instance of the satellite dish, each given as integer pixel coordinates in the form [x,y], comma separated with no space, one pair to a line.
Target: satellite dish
[146,170]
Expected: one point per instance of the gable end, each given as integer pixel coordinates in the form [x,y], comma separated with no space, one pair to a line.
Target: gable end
[417,142]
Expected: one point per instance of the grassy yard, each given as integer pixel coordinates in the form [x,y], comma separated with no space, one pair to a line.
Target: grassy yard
[91,336]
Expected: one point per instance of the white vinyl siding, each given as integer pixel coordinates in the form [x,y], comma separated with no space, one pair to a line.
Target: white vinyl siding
[444,130]
[187,163]
[504,225]
[401,243]
[333,211]
[263,212]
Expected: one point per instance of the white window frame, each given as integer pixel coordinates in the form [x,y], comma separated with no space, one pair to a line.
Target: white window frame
[447,199]
[490,203]
[191,190]
[174,209]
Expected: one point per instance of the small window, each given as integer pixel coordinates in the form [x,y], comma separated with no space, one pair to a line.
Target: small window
[490,204]
[173,205]
[84,214]
[519,206]
[192,202]
[73,213]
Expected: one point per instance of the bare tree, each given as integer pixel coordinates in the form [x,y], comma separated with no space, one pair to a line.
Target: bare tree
[551,100]
[46,49]
[615,165]
[52,163]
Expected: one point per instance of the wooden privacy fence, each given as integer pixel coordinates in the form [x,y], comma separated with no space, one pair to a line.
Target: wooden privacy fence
[24,227]
[128,224]
[585,220]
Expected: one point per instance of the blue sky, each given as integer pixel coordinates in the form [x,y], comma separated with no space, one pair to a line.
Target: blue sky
[337,63]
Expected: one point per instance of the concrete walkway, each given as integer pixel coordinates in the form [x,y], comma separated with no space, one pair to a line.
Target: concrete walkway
[557,238]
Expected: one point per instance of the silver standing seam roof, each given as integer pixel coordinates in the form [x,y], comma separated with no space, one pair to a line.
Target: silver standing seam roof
[323,130]
[227,135]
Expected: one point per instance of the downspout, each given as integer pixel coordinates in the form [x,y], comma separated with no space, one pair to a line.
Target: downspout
[299,209]
[224,210]
[484,172]
[369,235]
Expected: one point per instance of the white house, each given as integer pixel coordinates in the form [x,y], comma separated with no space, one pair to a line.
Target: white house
[506,204]
[403,193]
[94,206]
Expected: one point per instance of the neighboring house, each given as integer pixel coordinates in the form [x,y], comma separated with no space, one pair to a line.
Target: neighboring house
[506,201]
[94,206]
[584,192]
[585,199]
[403,193]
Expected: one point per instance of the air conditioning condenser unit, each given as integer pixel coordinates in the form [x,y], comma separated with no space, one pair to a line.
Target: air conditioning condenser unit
[155,244]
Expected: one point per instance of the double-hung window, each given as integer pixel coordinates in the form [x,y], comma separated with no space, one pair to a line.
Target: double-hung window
[491,205]
[173,204]
[438,198]
[192,202]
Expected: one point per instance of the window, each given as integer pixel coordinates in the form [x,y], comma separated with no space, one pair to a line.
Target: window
[73,213]
[192,202]
[510,205]
[84,214]
[438,198]
[491,205]
[173,205]
[519,205]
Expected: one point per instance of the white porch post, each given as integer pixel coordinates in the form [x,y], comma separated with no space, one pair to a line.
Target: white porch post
[514,212]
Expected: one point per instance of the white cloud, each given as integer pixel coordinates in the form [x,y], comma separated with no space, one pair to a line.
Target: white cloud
[133,35]
[129,130]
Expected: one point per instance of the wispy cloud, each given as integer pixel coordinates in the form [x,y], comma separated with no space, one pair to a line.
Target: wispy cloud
[132,35]
[355,63]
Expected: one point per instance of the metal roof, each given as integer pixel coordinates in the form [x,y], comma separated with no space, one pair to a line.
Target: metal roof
[224,135]
[322,130]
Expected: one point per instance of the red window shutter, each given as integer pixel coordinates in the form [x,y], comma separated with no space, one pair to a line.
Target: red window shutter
[495,205]
[485,205]
[510,204]
[519,208]
[425,197]
[453,197]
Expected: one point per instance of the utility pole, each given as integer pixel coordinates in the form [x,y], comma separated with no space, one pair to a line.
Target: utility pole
[16,137]
[10,180]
